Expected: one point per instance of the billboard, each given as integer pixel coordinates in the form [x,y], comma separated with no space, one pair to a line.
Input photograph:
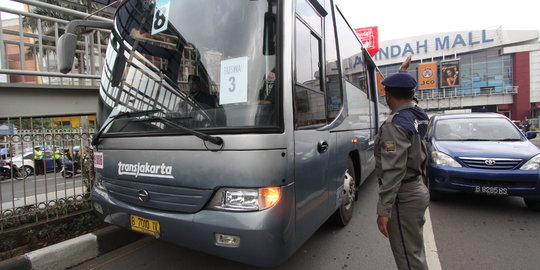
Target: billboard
[427,76]
[370,38]
[450,73]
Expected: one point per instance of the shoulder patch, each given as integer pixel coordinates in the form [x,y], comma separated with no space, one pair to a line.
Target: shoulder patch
[390,146]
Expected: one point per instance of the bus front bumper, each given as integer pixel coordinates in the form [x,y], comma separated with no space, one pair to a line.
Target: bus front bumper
[266,237]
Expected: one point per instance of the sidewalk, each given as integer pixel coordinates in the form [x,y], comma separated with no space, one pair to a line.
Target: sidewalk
[72,252]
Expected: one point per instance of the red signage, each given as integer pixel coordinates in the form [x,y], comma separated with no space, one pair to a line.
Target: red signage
[370,37]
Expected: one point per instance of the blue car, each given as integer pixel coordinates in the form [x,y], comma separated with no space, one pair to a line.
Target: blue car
[484,154]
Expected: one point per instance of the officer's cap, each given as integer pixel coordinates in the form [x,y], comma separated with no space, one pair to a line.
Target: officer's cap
[401,80]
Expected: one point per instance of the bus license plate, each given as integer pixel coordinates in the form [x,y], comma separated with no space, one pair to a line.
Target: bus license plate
[497,191]
[145,225]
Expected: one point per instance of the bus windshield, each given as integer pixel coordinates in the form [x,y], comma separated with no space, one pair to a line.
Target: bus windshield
[206,64]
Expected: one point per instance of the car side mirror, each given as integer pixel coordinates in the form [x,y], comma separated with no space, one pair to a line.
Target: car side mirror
[530,134]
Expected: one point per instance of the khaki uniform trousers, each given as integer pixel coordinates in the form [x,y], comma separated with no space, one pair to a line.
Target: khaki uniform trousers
[406,226]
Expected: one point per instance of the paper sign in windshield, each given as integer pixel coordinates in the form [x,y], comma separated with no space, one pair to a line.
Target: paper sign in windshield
[233,84]
[161,16]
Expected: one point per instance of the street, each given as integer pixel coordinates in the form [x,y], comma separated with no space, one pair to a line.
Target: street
[469,232]
[41,188]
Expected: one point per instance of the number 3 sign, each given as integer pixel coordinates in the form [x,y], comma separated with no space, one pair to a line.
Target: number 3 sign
[233,82]
[161,16]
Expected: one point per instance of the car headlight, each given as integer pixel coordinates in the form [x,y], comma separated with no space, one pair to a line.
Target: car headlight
[442,159]
[245,199]
[532,164]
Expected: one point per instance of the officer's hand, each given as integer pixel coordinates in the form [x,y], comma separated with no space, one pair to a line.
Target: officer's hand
[382,222]
[405,65]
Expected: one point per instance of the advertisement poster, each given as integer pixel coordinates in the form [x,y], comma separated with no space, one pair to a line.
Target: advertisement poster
[427,75]
[450,73]
[370,38]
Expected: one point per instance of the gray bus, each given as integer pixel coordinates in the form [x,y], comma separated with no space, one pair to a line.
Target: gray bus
[236,128]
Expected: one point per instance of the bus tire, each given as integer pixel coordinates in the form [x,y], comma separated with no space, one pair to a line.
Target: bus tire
[344,213]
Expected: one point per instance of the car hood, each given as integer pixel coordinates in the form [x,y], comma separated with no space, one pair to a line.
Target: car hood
[492,149]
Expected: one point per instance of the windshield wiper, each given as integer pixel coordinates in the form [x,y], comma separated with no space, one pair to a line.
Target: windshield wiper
[475,140]
[202,136]
[95,140]
[509,140]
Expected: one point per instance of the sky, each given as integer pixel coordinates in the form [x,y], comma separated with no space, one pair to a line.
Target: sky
[408,18]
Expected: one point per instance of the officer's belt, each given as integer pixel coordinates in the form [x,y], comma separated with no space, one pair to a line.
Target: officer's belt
[408,180]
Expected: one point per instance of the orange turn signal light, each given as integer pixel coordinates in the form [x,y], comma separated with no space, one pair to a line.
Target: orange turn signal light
[268,197]
[355,140]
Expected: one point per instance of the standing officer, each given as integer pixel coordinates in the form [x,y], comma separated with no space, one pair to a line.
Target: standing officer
[56,155]
[38,161]
[401,165]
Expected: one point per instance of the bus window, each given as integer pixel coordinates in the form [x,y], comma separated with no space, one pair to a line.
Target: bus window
[334,91]
[351,55]
[309,95]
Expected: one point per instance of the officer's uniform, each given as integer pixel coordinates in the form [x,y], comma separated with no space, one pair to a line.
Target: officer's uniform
[401,164]
[38,162]
[56,157]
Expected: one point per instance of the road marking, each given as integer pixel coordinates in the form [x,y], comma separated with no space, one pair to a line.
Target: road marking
[432,255]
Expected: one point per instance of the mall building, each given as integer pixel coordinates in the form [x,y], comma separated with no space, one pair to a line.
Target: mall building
[479,70]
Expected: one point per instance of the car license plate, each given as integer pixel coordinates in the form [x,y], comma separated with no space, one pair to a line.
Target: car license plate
[145,225]
[497,191]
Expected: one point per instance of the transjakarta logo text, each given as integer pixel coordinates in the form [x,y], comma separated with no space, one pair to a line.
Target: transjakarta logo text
[158,171]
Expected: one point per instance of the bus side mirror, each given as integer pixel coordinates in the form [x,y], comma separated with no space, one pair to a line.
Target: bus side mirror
[66,51]
[67,43]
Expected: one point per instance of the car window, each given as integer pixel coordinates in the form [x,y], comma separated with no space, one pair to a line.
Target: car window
[472,129]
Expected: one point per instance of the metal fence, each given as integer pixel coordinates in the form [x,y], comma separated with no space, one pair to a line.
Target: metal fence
[48,189]
[28,43]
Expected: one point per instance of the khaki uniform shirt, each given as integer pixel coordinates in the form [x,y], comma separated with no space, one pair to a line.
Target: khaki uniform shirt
[400,153]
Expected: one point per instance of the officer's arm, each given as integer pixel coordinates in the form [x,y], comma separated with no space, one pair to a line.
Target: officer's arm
[394,146]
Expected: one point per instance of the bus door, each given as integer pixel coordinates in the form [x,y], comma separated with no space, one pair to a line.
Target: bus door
[311,144]
[371,69]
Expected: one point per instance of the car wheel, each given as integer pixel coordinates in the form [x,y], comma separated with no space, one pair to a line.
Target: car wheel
[29,170]
[532,204]
[344,213]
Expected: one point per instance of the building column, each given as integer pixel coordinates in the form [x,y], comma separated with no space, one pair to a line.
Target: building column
[521,106]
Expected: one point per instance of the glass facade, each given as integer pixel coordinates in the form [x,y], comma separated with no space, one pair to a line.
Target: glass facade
[482,72]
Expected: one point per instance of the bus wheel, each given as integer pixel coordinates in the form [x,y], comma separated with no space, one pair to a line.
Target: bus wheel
[344,213]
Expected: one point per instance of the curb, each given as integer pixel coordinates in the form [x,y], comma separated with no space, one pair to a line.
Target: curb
[73,251]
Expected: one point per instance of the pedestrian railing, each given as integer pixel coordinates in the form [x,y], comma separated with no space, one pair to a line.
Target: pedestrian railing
[51,188]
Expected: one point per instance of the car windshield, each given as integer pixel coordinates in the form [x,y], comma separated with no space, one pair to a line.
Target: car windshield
[206,64]
[476,129]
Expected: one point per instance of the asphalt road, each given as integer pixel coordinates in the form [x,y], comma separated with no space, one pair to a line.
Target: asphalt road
[18,189]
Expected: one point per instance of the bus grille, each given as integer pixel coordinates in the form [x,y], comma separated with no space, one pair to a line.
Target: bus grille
[491,163]
[161,197]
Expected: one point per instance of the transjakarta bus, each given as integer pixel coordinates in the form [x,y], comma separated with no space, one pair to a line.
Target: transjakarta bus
[236,128]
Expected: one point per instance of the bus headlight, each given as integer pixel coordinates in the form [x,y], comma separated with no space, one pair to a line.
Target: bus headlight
[245,199]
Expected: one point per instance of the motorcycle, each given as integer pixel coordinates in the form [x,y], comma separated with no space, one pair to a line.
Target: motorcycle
[69,169]
[7,170]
